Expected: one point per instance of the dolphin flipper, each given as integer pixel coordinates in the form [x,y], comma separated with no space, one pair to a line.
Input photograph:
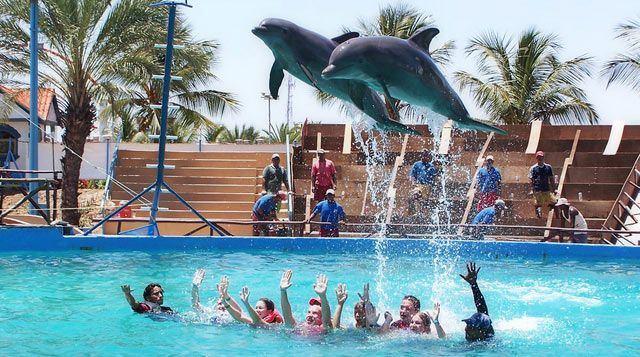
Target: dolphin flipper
[275,79]
[390,99]
[309,76]
[344,37]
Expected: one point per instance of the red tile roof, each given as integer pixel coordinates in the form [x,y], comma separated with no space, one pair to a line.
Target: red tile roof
[46,98]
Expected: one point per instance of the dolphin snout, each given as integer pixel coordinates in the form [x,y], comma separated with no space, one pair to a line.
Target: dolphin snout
[330,71]
[259,30]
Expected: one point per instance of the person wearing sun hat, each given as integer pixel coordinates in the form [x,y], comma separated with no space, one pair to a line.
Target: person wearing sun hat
[542,184]
[575,219]
[330,211]
[478,326]
[488,184]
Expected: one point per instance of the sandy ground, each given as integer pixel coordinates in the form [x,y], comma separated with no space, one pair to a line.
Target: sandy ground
[89,202]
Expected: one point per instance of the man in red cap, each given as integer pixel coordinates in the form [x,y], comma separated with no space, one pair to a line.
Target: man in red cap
[323,176]
[542,184]
[318,318]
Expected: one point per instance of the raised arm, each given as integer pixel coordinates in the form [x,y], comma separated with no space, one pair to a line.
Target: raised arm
[223,289]
[341,296]
[198,276]
[320,287]
[386,326]
[126,289]
[471,278]
[434,318]
[285,283]
[244,297]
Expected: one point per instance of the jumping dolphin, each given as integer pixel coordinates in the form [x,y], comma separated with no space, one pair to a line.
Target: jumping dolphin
[401,69]
[305,54]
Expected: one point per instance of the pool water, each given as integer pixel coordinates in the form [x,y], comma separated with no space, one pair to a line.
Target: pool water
[71,303]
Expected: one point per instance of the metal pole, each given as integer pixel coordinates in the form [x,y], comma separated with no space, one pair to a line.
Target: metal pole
[108,139]
[33,97]
[166,86]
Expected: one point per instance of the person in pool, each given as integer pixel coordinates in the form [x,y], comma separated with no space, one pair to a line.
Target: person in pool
[409,306]
[153,299]
[220,315]
[318,318]
[264,313]
[479,326]
[421,322]
[364,313]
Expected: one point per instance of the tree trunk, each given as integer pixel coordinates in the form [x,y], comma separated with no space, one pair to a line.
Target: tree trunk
[77,122]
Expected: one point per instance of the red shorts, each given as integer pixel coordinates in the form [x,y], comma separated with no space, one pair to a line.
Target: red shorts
[320,192]
[486,199]
[329,232]
[260,229]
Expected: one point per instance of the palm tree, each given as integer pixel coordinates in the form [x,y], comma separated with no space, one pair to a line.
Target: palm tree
[213,135]
[240,133]
[403,21]
[84,39]
[625,68]
[525,81]
[279,136]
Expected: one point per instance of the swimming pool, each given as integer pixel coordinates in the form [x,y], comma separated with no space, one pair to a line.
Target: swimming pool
[69,302]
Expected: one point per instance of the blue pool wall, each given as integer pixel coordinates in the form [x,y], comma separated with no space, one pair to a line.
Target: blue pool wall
[52,239]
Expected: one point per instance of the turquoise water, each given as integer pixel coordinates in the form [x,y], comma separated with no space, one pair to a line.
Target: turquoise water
[71,304]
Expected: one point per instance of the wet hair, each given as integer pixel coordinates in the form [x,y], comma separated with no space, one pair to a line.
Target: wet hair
[359,305]
[149,289]
[426,321]
[414,300]
[268,303]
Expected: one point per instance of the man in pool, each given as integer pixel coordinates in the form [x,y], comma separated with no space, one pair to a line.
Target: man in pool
[409,306]
[479,326]
[318,318]
[153,299]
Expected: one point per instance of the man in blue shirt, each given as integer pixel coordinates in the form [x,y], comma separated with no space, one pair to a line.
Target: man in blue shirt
[330,211]
[423,174]
[265,209]
[488,184]
[487,216]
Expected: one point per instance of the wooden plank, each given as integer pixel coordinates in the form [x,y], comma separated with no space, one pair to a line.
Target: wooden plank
[445,137]
[615,137]
[472,190]
[534,137]
[307,212]
[346,144]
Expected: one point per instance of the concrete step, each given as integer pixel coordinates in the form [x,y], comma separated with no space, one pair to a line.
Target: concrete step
[184,172]
[193,196]
[597,174]
[591,191]
[199,188]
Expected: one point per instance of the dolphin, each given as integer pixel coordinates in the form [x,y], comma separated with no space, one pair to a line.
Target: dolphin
[402,69]
[305,54]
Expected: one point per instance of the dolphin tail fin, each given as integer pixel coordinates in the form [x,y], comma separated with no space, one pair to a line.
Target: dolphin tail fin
[473,124]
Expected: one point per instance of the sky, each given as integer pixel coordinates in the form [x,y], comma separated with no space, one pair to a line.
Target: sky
[583,27]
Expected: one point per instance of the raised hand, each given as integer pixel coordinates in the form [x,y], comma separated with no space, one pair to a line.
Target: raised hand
[223,287]
[198,276]
[244,294]
[365,293]
[436,312]
[472,273]
[126,289]
[370,313]
[320,286]
[388,317]
[341,293]
[285,281]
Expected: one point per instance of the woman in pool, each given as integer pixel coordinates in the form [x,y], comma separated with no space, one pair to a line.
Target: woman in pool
[219,315]
[263,314]
[421,322]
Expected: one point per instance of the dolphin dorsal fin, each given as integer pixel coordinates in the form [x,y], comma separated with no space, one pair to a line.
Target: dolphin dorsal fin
[345,36]
[424,37]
